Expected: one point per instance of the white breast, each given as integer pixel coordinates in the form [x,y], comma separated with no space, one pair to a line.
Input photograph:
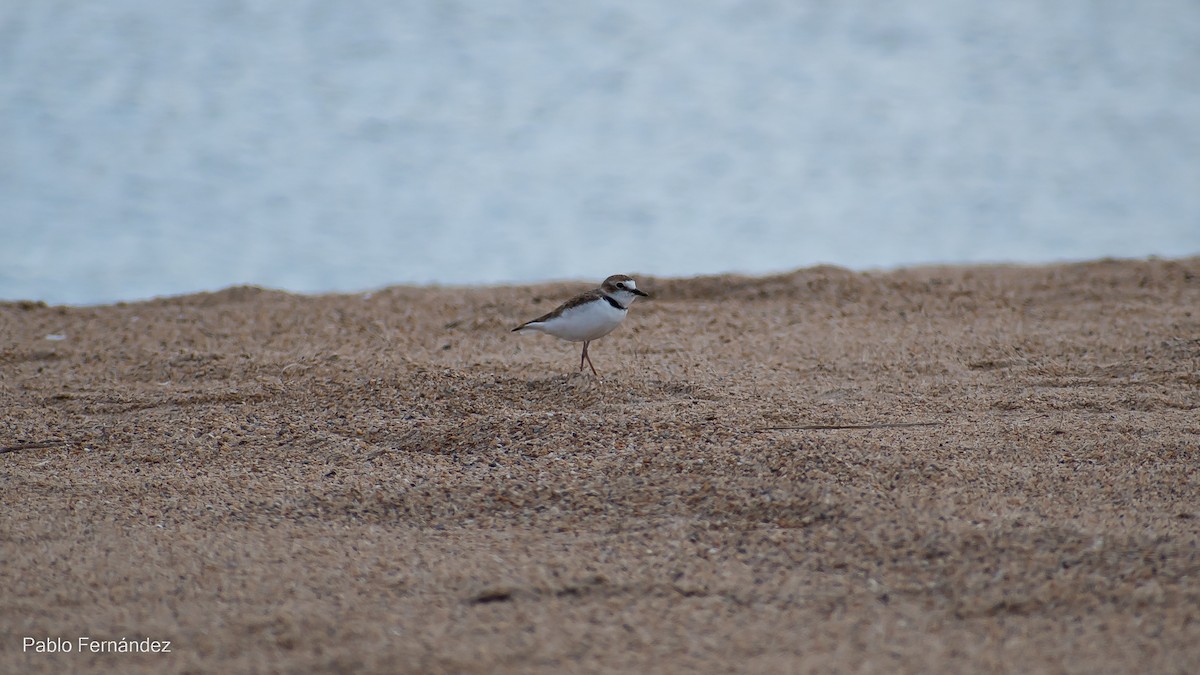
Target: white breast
[585,322]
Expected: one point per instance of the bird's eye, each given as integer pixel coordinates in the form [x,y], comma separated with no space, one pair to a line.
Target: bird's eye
[621,286]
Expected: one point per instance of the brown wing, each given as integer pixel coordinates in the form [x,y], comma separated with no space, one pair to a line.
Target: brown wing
[594,294]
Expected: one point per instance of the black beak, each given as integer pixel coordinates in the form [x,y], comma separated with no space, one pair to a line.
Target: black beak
[638,291]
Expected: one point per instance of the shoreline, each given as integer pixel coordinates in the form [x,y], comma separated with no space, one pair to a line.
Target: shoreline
[874,271]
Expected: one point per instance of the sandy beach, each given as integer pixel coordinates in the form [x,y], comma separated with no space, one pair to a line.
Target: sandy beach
[931,470]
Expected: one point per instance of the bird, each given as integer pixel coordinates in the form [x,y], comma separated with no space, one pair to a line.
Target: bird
[589,316]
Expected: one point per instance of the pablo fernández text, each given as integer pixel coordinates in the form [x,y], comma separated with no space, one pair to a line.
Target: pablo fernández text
[90,645]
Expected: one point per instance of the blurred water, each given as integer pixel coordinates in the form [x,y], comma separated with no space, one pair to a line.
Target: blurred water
[150,147]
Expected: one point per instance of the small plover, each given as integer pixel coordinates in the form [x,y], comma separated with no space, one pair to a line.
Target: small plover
[590,315]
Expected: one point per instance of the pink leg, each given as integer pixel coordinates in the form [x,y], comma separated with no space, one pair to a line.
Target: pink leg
[589,361]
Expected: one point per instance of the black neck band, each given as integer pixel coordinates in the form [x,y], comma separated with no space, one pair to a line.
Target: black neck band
[613,301]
